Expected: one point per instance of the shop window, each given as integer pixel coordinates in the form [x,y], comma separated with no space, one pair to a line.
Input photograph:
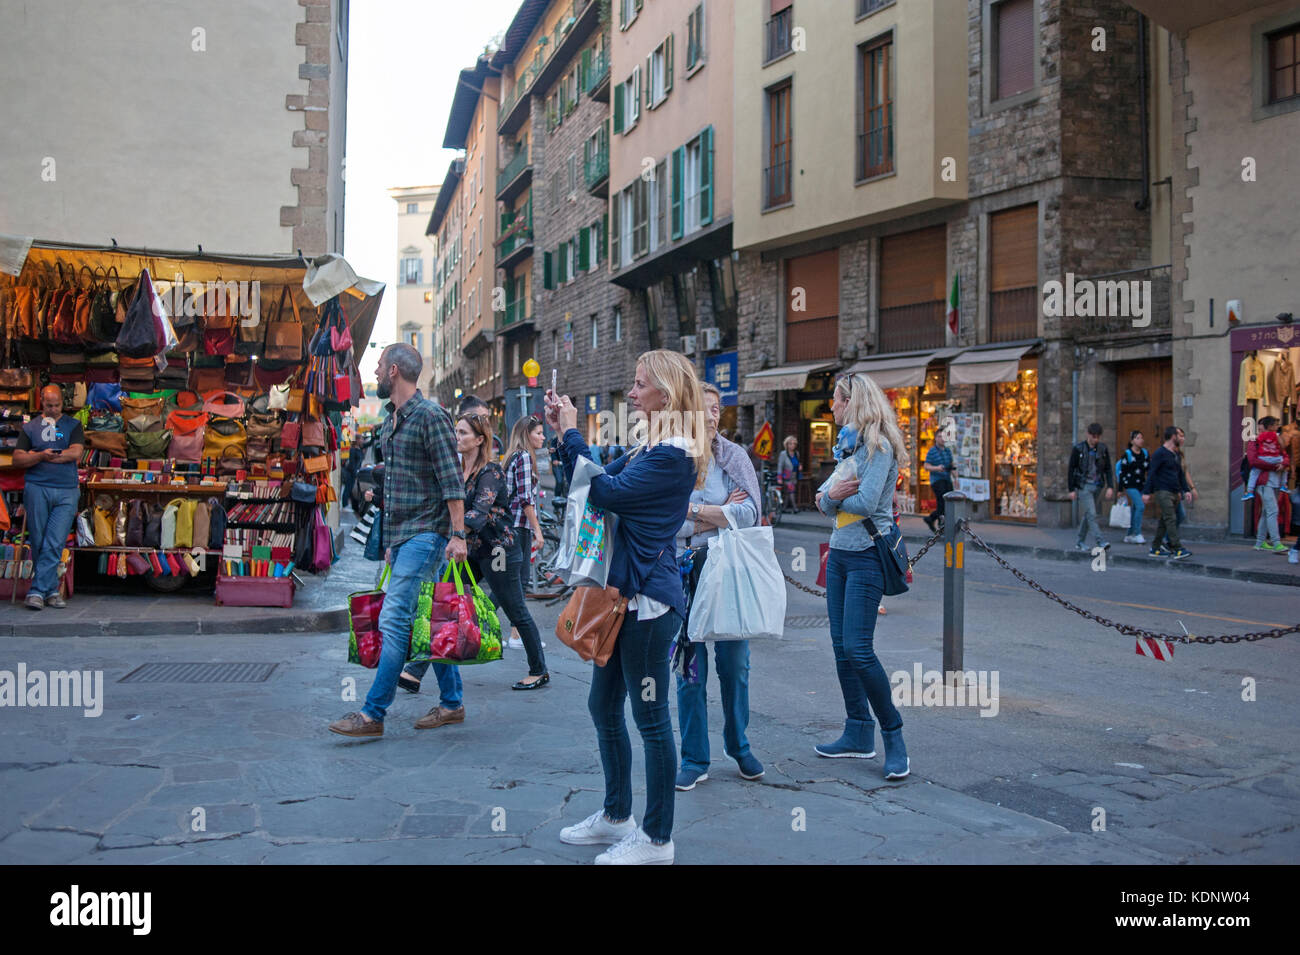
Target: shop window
[1015,445]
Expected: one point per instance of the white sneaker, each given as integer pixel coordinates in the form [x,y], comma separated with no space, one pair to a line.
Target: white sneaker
[1293,556]
[1139,539]
[637,849]
[596,830]
[1130,539]
[514,643]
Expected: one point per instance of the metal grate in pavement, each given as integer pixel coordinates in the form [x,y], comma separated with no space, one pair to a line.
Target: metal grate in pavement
[807,622]
[200,673]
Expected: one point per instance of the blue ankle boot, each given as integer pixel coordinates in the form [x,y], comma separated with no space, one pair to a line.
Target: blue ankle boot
[897,765]
[858,741]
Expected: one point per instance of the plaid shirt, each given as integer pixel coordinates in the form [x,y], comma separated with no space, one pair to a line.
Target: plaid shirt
[421,470]
[519,482]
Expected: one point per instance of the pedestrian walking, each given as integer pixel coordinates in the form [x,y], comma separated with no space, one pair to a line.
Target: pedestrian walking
[1187,476]
[788,470]
[493,547]
[1267,458]
[526,439]
[938,461]
[854,573]
[1130,477]
[730,497]
[649,490]
[1273,467]
[1167,483]
[1090,472]
[48,449]
[423,525]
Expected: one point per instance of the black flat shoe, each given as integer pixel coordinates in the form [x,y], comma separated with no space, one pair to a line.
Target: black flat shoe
[407,683]
[541,681]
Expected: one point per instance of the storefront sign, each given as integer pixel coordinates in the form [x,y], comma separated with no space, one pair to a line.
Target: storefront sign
[1268,336]
[974,488]
[593,404]
[721,372]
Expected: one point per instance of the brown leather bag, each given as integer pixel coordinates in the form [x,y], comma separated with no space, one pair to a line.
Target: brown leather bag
[135,407]
[114,442]
[284,338]
[590,622]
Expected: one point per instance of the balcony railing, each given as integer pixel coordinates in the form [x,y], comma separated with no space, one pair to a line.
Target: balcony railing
[516,312]
[522,82]
[598,72]
[779,34]
[876,150]
[811,340]
[595,169]
[910,327]
[776,185]
[1013,314]
[517,164]
[870,6]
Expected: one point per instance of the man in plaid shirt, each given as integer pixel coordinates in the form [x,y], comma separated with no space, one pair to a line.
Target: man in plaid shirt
[423,525]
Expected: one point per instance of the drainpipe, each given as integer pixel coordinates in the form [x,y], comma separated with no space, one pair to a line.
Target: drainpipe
[1074,428]
[1144,121]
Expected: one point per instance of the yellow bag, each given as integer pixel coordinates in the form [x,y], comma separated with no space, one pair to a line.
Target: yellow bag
[223,433]
[184,521]
[103,526]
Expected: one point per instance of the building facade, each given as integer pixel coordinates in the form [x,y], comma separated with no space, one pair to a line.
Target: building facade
[1235,119]
[416,261]
[186,148]
[906,219]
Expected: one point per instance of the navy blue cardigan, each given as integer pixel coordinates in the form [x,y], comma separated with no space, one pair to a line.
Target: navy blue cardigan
[650,494]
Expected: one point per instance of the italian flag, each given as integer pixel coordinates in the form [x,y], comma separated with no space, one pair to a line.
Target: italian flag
[954,303]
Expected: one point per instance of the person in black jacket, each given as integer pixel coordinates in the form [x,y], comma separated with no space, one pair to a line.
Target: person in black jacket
[1089,472]
[1167,483]
[1132,471]
[649,490]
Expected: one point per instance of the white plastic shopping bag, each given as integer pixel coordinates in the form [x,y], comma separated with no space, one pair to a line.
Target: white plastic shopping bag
[1121,513]
[741,593]
[586,540]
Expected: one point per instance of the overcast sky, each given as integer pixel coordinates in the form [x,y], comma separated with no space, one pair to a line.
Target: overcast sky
[404,58]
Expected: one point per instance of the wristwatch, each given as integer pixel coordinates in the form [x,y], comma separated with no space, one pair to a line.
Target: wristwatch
[458,534]
[695,510]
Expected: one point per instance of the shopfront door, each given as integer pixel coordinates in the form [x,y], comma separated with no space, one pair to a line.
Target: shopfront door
[1144,401]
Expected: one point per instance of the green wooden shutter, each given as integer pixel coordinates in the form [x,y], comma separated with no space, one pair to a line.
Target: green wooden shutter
[563,270]
[706,176]
[679,158]
[648,83]
[548,280]
[618,107]
[668,64]
[604,237]
[613,232]
[586,65]
[584,248]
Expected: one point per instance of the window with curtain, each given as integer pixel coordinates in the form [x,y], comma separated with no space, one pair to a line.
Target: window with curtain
[780,142]
[875,109]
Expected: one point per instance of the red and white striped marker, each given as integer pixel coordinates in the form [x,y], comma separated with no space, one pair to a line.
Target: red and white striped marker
[1156,649]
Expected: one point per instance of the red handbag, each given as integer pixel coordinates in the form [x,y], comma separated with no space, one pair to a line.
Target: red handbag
[826,553]
[290,434]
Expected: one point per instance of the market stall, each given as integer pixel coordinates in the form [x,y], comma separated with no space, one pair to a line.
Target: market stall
[210,390]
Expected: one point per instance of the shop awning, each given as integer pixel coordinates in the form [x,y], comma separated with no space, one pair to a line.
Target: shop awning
[785,378]
[985,367]
[899,371]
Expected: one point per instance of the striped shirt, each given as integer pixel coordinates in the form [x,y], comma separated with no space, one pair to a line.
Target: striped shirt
[520,486]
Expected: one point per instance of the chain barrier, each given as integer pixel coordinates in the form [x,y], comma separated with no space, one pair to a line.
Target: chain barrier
[1122,627]
[911,562]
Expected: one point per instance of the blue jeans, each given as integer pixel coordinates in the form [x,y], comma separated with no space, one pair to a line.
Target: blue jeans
[854,586]
[414,561]
[732,658]
[640,654]
[50,513]
[1135,502]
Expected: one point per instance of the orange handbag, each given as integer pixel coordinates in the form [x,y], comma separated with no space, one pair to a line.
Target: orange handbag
[316,465]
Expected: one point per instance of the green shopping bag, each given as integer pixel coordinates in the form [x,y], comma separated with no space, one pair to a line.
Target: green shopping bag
[456,625]
[365,643]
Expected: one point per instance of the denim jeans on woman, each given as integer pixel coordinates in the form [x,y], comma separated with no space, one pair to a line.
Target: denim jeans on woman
[640,652]
[854,586]
[414,561]
[1134,495]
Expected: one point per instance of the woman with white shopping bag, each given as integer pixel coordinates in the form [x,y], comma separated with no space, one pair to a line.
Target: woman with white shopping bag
[649,491]
[730,498]
[855,574]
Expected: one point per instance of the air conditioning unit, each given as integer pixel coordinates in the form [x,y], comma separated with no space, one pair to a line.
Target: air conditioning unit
[688,344]
[712,337]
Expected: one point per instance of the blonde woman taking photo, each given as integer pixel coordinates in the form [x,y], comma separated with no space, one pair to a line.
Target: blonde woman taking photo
[854,576]
[649,489]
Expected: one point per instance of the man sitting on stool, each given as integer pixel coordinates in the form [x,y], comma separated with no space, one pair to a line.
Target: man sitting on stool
[48,449]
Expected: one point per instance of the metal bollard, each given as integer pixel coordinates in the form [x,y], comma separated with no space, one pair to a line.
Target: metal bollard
[956,508]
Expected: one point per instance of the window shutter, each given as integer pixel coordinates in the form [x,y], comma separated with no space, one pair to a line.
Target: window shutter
[584,249]
[668,64]
[604,237]
[548,280]
[1013,248]
[634,101]
[638,6]
[614,259]
[1015,54]
[562,272]
[586,62]
[913,267]
[706,176]
[618,108]
[679,158]
[649,81]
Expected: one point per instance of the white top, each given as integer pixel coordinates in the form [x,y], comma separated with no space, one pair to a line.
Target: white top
[647,608]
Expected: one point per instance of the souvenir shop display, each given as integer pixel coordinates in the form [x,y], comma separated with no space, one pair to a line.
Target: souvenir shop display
[1015,450]
[210,420]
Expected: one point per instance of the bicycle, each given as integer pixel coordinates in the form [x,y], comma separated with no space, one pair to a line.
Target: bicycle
[773,497]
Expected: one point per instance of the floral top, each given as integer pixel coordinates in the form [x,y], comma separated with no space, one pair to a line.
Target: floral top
[487,512]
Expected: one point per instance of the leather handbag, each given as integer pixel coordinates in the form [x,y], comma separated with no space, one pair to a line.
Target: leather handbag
[893,557]
[202,525]
[207,380]
[153,527]
[142,423]
[114,442]
[216,523]
[105,421]
[295,400]
[18,379]
[231,460]
[262,425]
[590,622]
[277,398]
[291,434]
[313,433]
[149,445]
[136,518]
[224,404]
[284,338]
[221,434]
[257,449]
[134,407]
[103,521]
[316,465]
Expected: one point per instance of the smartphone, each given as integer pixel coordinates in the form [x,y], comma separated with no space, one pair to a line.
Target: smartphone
[553,374]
